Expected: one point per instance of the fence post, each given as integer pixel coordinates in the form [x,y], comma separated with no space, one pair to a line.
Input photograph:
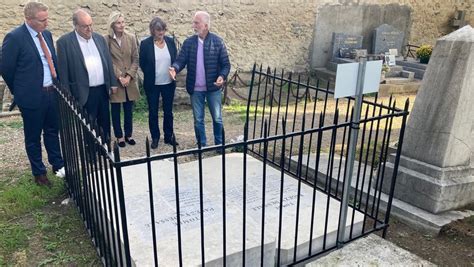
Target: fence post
[395,167]
[351,152]
[123,214]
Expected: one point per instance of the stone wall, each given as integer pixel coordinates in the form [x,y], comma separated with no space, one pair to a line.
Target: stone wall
[277,33]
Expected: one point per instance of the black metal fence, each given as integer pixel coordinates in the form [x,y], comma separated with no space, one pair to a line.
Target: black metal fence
[276,204]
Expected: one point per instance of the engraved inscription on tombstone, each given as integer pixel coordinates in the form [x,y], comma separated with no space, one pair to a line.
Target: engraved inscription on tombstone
[387,37]
[345,43]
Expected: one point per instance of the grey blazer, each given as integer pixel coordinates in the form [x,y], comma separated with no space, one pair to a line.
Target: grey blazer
[72,68]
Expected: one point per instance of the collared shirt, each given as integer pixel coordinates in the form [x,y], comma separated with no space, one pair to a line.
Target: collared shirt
[47,78]
[93,61]
[119,40]
[200,84]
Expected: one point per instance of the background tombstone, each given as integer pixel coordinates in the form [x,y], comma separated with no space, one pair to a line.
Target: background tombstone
[436,170]
[387,37]
[345,42]
[354,19]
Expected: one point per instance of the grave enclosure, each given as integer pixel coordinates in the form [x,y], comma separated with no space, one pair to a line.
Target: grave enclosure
[272,199]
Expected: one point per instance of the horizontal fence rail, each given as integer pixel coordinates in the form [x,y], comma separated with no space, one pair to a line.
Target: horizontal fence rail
[273,198]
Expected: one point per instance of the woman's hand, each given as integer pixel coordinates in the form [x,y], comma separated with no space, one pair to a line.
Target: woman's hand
[125,81]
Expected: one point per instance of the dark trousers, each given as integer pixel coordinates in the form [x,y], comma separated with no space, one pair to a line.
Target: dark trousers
[127,118]
[97,107]
[153,96]
[43,119]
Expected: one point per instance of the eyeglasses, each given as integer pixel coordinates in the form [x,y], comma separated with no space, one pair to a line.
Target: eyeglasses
[85,26]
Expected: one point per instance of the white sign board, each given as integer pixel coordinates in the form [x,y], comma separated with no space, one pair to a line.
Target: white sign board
[346,78]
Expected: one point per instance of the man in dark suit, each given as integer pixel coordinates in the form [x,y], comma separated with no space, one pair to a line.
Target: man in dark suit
[86,70]
[28,67]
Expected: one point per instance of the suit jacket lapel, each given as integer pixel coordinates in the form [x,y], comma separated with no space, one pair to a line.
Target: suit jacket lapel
[152,53]
[77,47]
[99,48]
[30,40]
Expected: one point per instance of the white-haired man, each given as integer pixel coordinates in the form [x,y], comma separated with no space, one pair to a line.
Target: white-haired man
[205,56]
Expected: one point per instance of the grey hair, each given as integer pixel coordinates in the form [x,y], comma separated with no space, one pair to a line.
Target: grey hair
[157,24]
[112,19]
[206,17]
[32,8]
[76,14]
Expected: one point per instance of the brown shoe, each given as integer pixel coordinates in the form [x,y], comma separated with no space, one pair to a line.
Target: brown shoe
[42,180]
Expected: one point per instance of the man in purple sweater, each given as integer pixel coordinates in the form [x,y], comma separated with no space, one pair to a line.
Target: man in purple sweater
[208,66]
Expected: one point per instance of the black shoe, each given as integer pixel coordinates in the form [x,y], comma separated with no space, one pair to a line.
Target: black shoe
[121,143]
[171,142]
[154,143]
[130,141]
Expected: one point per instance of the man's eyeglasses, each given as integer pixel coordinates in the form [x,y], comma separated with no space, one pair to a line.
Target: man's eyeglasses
[85,26]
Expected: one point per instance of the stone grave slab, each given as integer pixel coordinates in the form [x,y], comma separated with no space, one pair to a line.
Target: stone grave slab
[387,37]
[139,222]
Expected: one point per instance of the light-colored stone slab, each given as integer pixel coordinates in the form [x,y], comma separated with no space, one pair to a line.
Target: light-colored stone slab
[139,222]
[370,251]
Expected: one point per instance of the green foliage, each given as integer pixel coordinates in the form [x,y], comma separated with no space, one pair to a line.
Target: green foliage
[30,220]
[59,258]
[12,124]
[239,108]
[26,196]
[424,51]
[141,104]
[12,237]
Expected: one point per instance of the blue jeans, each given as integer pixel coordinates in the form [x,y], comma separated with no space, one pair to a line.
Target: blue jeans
[214,102]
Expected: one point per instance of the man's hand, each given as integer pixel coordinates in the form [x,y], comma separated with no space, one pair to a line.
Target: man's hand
[219,82]
[114,89]
[172,72]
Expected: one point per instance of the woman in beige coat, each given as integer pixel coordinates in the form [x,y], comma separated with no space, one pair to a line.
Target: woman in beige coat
[124,51]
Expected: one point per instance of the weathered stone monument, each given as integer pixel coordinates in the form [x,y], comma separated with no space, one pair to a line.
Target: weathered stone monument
[387,37]
[436,170]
